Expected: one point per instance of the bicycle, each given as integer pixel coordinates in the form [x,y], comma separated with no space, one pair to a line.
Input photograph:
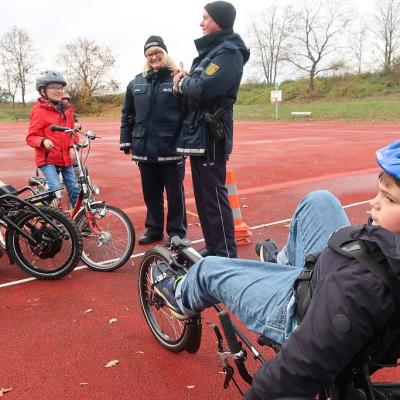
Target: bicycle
[107,232]
[42,241]
[178,335]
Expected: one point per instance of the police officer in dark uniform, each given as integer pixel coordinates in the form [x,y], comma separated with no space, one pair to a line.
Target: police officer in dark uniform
[206,133]
[149,130]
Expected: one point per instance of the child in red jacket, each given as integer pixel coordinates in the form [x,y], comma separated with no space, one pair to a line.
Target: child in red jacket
[53,150]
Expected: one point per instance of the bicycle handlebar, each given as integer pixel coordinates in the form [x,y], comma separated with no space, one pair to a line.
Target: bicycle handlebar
[56,128]
[89,134]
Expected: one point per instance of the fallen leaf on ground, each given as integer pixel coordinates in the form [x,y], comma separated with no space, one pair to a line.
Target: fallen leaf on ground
[111,363]
[190,386]
[140,352]
[83,384]
[112,320]
[89,310]
[245,206]
[3,391]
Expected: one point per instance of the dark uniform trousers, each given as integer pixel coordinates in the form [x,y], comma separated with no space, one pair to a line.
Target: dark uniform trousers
[154,178]
[213,205]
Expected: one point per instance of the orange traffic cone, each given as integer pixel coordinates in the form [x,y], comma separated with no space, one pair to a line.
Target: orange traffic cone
[242,230]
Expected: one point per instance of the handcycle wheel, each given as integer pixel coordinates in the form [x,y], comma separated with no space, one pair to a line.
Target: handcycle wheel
[112,247]
[2,237]
[55,255]
[173,334]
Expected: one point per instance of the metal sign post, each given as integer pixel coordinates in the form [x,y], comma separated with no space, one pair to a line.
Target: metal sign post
[276,97]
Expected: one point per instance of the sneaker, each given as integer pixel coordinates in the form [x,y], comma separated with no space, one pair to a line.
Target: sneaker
[164,280]
[267,250]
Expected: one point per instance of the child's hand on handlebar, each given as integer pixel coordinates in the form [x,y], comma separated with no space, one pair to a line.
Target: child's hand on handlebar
[78,126]
[47,144]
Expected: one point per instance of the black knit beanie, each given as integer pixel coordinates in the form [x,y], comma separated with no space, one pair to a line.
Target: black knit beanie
[222,12]
[155,41]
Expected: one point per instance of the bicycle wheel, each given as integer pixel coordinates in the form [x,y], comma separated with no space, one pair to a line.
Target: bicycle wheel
[2,237]
[173,334]
[112,247]
[56,254]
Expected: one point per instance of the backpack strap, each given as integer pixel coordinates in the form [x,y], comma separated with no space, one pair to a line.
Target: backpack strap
[302,286]
[343,242]
[356,250]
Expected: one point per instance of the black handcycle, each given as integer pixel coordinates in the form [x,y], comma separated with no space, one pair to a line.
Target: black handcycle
[107,232]
[42,241]
[175,334]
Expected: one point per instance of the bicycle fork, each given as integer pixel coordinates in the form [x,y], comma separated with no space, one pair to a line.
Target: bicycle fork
[235,350]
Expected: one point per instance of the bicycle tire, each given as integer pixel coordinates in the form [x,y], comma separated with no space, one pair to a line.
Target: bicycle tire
[2,237]
[57,262]
[112,248]
[172,334]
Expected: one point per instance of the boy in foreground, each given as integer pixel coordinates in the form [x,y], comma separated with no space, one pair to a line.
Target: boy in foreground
[349,304]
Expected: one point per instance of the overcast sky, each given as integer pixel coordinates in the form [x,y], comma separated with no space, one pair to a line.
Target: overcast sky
[123,25]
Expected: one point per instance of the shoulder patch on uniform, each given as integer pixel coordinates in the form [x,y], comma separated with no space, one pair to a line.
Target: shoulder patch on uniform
[211,69]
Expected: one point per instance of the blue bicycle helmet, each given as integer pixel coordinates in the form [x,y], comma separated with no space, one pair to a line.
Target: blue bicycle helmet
[388,159]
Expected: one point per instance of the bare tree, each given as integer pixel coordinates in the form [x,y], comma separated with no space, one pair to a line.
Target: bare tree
[387,19]
[87,66]
[357,45]
[17,48]
[314,41]
[270,32]
[9,76]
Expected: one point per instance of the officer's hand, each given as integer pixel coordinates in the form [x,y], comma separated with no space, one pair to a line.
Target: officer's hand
[126,150]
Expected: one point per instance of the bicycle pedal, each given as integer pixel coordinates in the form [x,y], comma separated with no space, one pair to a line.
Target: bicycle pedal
[229,371]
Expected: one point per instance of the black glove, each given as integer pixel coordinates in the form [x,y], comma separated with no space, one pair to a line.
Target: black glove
[125,149]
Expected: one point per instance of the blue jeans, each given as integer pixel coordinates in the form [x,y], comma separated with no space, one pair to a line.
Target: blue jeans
[259,293]
[50,171]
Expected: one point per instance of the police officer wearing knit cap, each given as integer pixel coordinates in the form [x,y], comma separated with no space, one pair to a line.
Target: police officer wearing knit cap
[206,133]
[149,124]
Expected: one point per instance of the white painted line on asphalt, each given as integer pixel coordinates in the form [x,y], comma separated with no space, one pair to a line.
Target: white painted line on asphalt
[282,221]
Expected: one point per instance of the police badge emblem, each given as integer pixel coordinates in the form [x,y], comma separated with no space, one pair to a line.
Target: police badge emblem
[211,69]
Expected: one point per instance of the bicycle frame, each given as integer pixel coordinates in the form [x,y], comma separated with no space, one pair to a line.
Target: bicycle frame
[87,190]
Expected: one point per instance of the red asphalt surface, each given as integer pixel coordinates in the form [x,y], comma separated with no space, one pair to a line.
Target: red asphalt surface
[51,348]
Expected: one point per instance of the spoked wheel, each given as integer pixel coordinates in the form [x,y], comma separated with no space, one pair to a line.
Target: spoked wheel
[54,254]
[173,334]
[2,240]
[109,244]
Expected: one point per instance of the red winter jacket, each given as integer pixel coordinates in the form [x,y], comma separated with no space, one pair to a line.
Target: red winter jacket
[43,115]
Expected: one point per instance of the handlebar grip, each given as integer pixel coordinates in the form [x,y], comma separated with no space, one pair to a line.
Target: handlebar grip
[55,128]
[230,334]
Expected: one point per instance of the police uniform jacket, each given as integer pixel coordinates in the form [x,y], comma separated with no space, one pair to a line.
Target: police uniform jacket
[213,83]
[149,118]
[349,306]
